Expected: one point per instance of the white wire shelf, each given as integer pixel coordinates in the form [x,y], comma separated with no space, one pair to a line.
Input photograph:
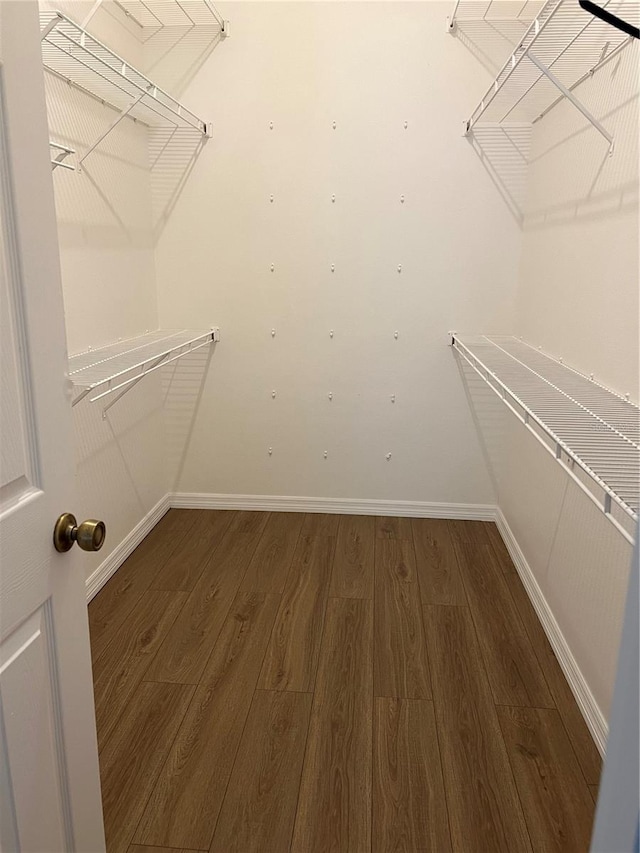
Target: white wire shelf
[118,367]
[74,55]
[561,48]
[593,432]
[494,11]
[151,16]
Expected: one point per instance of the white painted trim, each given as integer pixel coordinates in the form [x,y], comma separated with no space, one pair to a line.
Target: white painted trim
[116,558]
[591,712]
[348,506]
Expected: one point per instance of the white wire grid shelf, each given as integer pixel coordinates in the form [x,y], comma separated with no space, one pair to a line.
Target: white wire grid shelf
[152,16]
[495,11]
[72,54]
[593,432]
[560,49]
[118,367]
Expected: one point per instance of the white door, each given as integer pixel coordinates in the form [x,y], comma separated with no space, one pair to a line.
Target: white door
[49,782]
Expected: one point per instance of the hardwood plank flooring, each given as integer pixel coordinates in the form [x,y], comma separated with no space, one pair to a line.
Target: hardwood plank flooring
[579,735]
[260,803]
[409,804]
[143,848]
[150,722]
[110,609]
[334,810]
[352,575]
[327,612]
[437,565]
[272,558]
[393,527]
[512,667]
[292,654]
[124,662]
[184,654]
[183,808]
[486,814]
[557,803]
[320,524]
[401,664]
[185,565]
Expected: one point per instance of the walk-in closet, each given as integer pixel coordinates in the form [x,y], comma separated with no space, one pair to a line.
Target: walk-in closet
[320,429]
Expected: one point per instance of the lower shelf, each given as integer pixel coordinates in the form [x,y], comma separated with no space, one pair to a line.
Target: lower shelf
[592,431]
[119,366]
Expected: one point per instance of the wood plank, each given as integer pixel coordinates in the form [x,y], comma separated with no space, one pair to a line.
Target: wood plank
[577,730]
[472,532]
[133,758]
[184,654]
[512,666]
[260,804]
[122,666]
[143,848]
[594,792]
[292,655]
[392,527]
[109,609]
[320,524]
[484,809]
[557,803]
[436,562]
[409,804]
[500,549]
[352,575]
[334,807]
[186,563]
[272,558]
[185,803]
[401,665]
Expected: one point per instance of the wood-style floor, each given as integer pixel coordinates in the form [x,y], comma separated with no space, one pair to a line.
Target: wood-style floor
[274,681]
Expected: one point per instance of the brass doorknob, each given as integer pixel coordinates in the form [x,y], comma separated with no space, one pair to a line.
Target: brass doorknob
[89,535]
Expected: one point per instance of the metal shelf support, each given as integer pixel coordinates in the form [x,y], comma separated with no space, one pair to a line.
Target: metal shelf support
[576,103]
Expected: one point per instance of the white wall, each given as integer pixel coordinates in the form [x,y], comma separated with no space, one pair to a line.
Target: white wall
[368,67]
[107,260]
[578,298]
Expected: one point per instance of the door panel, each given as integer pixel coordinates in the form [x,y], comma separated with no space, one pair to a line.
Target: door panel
[49,780]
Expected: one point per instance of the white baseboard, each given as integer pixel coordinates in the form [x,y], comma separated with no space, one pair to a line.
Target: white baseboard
[348,506]
[591,712]
[120,553]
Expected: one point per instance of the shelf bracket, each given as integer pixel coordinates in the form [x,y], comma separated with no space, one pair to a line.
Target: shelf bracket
[451,22]
[571,97]
[154,365]
[113,124]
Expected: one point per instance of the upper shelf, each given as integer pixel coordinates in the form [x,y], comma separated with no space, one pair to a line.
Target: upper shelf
[119,366]
[495,11]
[76,56]
[151,16]
[560,49]
[584,425]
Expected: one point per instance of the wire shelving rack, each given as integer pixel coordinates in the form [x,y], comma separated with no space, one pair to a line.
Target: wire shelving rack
[151,17]
[591,431]
[494,11]
[74,55]
[116,368]
[560,49]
